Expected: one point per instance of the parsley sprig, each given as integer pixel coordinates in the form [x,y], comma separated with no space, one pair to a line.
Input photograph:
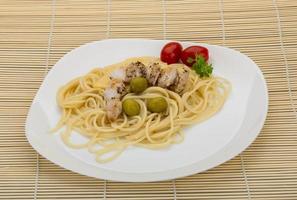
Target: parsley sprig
[200,66]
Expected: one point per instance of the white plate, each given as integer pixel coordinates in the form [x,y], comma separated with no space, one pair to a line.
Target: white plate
[206,145]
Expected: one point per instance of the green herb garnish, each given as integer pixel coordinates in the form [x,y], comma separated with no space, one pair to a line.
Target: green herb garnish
[200,66]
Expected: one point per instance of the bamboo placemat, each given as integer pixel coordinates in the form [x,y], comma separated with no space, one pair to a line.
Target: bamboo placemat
[35,34]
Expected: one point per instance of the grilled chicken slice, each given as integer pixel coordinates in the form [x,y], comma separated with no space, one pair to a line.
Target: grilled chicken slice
[119,74]
[112,96]
[113,109]
[167,77]
[116,90]
[135,69]
[181,80]
[152,73]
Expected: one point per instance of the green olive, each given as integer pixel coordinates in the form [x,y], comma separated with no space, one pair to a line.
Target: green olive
[131,107]
[157,105]
[138,84]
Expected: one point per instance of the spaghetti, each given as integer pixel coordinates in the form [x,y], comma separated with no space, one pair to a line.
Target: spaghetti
[83,107]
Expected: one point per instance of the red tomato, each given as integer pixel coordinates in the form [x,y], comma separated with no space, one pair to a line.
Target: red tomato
[191,52]
[171,52]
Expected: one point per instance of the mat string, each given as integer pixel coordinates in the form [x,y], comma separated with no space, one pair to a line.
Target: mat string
[36,177]
[245,177]
[104,190]
[108,18]
[284,54]
[221,6]
[164,18]
[174,190]
[49,43]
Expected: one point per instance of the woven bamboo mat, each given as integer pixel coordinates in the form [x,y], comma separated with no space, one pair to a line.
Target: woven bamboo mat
[35,34]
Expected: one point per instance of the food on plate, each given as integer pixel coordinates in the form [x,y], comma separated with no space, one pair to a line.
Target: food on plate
[171,52]
[192,52]
[157,105]
[141,101]
[201,67]
[131,107]
[138,84]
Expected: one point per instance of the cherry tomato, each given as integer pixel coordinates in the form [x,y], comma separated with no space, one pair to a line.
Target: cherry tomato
[191,52]
[171,52]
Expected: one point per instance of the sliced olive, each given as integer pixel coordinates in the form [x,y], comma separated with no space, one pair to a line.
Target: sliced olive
[157,105]
[131,107]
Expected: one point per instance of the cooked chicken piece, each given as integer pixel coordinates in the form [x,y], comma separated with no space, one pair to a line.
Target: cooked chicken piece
[180,81]
[119,74]
[119,86]
[167,77]
[135,69]
[152,73]
[111,93]
[112,96]
[116,90]
[113,109]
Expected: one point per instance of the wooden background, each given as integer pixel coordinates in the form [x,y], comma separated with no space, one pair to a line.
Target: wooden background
[35,34]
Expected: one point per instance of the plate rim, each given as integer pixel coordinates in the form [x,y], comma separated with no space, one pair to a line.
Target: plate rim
[152,176]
